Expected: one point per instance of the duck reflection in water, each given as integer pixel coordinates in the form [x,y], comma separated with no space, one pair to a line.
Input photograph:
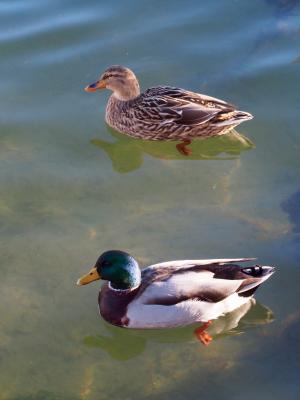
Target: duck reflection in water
[126,153]
[124,344]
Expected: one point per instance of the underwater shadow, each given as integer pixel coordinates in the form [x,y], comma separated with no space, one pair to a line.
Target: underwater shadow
[292,207]
[124,344]
[127,154]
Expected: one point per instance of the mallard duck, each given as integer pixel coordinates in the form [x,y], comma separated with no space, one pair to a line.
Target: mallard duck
[173,293]
[162,112]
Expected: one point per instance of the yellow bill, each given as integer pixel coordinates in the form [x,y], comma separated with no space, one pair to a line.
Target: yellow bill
[88,278]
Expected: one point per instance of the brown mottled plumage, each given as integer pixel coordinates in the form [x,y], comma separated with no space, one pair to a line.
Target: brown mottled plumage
[162,112]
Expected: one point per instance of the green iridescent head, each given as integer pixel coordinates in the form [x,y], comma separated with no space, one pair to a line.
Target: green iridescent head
[117,267]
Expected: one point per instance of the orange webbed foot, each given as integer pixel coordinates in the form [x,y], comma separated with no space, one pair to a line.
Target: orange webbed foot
[203,336]
[181,147]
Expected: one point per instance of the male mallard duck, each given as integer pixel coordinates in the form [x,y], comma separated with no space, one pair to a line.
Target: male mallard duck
[172,293]
[162,112]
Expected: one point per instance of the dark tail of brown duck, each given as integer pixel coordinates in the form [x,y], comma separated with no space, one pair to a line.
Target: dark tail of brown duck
[242,116]
[232,118]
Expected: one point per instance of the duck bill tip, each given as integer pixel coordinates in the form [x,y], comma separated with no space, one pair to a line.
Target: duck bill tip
[91,276]
[93,87]
[90,89]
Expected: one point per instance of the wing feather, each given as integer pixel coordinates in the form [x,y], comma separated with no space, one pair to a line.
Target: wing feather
[201,286]
[182,107]
[188,263]
[172,282]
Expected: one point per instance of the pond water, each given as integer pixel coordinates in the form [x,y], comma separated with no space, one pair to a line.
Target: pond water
[72,188]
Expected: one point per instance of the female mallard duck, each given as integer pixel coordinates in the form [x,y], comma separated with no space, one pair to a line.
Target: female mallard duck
[172,293]
[162,112]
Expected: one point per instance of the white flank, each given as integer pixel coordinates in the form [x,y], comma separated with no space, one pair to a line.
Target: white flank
[143,314]
[181,293]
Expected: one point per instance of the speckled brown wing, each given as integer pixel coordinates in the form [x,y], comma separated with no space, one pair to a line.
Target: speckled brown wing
[188,96]
[180,107]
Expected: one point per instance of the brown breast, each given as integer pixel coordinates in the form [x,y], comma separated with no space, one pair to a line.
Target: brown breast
[113,304]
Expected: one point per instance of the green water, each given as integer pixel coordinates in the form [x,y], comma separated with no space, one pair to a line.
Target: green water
[72,188]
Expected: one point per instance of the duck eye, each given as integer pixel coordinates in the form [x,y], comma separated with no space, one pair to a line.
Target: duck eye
[105,263]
